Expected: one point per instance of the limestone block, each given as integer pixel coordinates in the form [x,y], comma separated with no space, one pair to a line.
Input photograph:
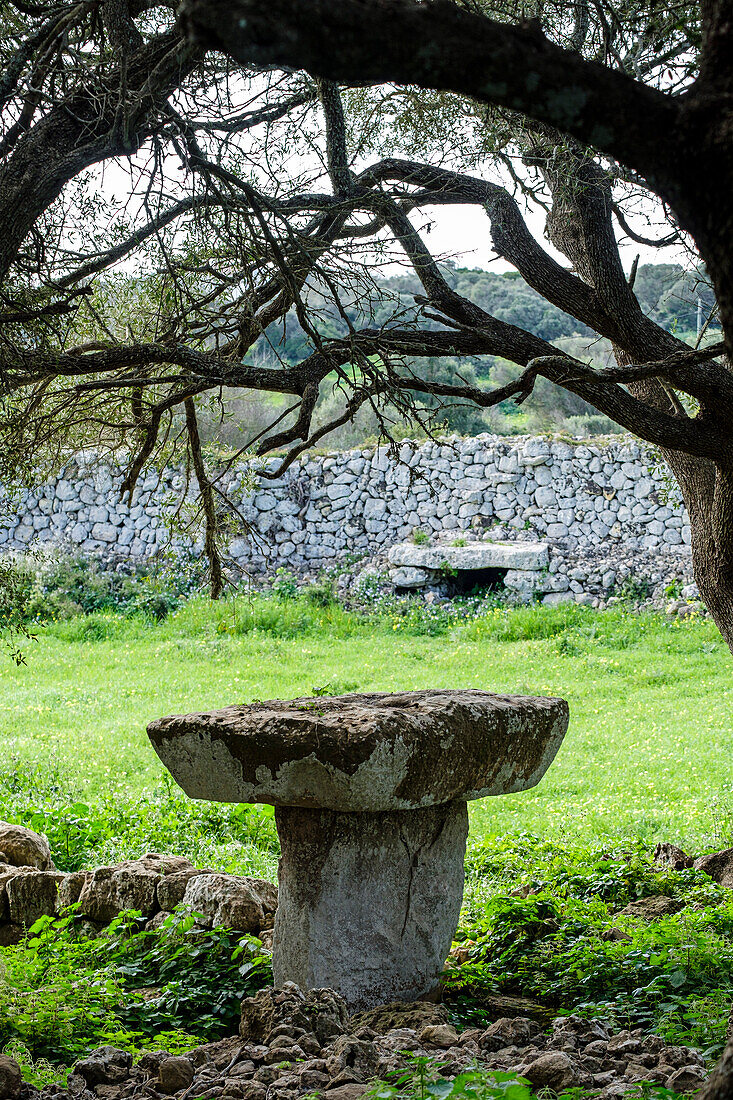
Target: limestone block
[527,580]
[265,502]
[21,847]
[368,879]
[104,532]
[33,894]
[65,490]
[545,496]
[70,888]
[172,888]
[128,885]
[230,901]
[409,577]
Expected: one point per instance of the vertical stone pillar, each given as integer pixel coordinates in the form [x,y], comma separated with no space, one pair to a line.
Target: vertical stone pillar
[368,902]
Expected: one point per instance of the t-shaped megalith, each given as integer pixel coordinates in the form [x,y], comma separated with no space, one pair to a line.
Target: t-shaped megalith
[370,794]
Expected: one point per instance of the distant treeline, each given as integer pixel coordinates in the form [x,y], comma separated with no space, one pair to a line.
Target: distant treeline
[667,293]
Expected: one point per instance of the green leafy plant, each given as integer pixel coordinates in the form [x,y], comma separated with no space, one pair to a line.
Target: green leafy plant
[63,994]
[285,585]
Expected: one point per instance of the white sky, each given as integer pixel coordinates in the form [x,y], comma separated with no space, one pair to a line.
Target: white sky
[462,233]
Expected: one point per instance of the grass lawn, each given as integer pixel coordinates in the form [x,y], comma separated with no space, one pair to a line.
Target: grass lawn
[648,754]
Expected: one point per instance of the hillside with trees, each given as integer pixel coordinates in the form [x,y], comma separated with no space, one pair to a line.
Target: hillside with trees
[670,295]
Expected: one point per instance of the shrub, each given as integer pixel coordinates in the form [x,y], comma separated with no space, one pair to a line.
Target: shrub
[566,943]
[63,994]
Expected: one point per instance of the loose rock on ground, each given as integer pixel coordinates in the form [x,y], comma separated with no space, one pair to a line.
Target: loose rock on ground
[293,1043]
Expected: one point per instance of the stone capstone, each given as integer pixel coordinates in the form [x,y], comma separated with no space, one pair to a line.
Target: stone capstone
[364,753]
[474,556]
[371,880]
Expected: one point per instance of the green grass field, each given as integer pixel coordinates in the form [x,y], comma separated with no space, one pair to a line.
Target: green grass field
[648,754]
[648,757]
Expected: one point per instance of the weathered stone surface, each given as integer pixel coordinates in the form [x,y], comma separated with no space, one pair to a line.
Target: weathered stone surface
[553,1070]
[413,1014]
[172,888]
[509,1032]
[686,1079]
[267,893]
[719,866]
[32,895]
[352,1091]
[407,577]
[475,555]
[364,753]
[21,847]
[11,1079]
[230,901]
[669,855]
[347,1053]
[128,885]
[320,1012]
[371,880]
[175,1074]
[652,908]
[70,888]
[439,1035]
[104,1066]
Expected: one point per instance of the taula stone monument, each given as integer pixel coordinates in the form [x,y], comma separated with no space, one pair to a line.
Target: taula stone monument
[370,794]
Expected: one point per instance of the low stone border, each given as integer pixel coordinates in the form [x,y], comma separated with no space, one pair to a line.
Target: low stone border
[154,885]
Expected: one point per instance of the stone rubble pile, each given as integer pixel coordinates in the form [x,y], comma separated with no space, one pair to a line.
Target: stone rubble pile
[292,1044]
[154,885]
[606,509]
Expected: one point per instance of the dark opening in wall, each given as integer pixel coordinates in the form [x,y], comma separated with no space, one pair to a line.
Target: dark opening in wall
[467,582]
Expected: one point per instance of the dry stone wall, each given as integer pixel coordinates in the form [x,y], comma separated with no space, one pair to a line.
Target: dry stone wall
[603,507]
